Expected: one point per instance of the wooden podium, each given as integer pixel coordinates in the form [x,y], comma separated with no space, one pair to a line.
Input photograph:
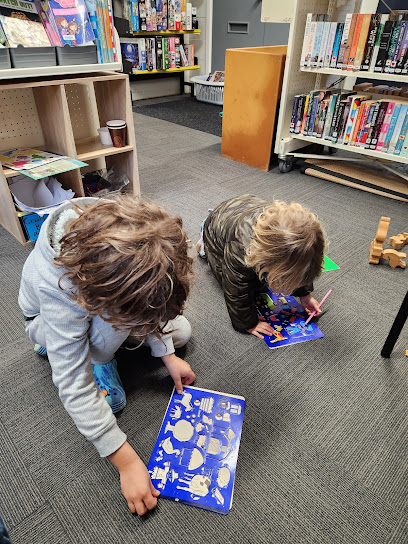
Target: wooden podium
[253,82]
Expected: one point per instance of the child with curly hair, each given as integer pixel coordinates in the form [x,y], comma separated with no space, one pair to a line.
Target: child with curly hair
[100,271]
[251,244]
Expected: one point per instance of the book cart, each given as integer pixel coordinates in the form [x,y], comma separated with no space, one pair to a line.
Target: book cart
[62,116]
[298,80]
[124,31]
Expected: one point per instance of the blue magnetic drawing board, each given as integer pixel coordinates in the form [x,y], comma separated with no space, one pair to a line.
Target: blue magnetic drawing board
[195,455]
[287,318]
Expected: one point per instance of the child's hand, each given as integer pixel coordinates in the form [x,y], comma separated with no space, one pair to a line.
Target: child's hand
[179,370]
[136,485]
[261,328]
[310,304]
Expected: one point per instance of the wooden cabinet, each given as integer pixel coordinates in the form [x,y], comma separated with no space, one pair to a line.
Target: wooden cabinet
[62,116]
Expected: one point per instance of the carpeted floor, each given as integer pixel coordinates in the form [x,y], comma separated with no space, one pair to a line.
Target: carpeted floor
[324,449]
[185,111]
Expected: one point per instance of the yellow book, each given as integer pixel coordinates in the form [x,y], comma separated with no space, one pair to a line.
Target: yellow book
[365,27]
[183,6]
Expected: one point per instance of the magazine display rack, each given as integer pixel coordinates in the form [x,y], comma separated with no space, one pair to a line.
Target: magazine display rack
[298,80]
[62,116]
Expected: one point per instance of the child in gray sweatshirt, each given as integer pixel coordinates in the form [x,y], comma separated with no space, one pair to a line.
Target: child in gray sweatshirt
[100,271]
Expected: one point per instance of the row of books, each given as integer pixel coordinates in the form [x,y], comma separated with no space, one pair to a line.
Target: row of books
[157,53]
[375,43]
[346,117]
[151,15]
[370,87]
[41,23]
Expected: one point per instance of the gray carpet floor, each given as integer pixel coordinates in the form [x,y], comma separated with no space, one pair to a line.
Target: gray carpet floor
[324,449]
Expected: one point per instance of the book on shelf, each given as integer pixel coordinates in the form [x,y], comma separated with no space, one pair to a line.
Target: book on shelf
[177,46]
[362,42]
[355,120]
[189,16]
[159,53]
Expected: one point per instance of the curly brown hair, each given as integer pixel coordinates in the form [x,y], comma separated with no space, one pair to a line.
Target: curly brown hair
[287,246]
[128,262]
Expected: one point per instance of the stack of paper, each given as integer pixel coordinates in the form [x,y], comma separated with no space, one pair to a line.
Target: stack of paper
[40,196]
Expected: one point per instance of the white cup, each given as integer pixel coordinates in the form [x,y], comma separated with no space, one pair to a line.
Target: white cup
[105,136]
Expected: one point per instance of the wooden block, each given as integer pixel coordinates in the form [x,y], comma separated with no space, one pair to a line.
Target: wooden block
[398,241]
[376,246]
[394,258]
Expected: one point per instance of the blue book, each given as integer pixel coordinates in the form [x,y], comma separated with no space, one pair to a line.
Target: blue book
[390,130]
[287,318]
[195,456]
[336,45]
[134,17]
[312,116]
[401,137]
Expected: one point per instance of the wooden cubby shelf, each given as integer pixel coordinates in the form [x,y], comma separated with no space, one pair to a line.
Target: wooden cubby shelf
[63,116]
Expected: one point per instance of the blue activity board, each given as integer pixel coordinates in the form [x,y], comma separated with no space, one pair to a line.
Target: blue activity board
[287,319]
[195,455]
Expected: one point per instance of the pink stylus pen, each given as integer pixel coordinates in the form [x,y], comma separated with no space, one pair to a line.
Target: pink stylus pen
[314,313]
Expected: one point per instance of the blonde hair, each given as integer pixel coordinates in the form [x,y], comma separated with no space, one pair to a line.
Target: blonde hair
[128,263]
[287,246]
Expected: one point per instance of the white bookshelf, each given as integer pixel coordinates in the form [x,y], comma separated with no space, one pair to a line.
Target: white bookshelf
[300,80]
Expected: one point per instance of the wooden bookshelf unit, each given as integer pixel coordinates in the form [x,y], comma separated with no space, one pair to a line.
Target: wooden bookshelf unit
[62,116]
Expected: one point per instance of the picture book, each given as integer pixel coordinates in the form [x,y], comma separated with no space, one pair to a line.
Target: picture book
[63,164]
[26,158]
[23,28]
[195,456]
[287,319]
[70,17]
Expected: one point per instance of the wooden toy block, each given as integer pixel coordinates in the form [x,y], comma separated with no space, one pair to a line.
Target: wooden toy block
[398,241]
[376,246]
[395,258]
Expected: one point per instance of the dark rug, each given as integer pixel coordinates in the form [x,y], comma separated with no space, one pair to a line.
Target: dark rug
[187,112]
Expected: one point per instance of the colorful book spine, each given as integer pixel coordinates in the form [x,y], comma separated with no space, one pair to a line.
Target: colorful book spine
[385,126]
[393,46]
[164,14]
[177,14]
[302,126]
[142,53]
[397,63]
[159,53]
[142,15]
[183,56]
[299,113]
[323,45]
[391,128]
[303,59]
[353,115]
[359,126]
[315,103]
[365,27]
[344,120]
[317,43]
[190,54]
[344,40]
[172,14]
[135,16]
[349,42]
[372,126]
[183,6]
[172,53]
[294,113]
[178,46]
[148,15]
[154,14]
[354,41]
[329,116]
[383,20]
[166,55]
[330,43]
[336,45]
[337,121]
[378,125]
[402,145]
[159,15]
[402,116]
[362,138]
[372,35]
[189,16]
[383,49]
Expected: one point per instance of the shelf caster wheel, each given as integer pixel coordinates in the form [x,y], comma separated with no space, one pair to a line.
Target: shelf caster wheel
[332,150]
[285,166]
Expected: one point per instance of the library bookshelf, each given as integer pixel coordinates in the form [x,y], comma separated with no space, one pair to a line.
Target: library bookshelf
[168,71]
[62,116]
[297,80]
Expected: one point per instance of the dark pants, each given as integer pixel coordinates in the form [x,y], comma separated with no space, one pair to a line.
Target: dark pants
[4,537]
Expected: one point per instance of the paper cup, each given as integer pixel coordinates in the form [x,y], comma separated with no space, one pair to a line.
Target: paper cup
[105,136]
[117,130]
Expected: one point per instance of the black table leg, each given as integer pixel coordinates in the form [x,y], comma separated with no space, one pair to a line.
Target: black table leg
[396,328]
